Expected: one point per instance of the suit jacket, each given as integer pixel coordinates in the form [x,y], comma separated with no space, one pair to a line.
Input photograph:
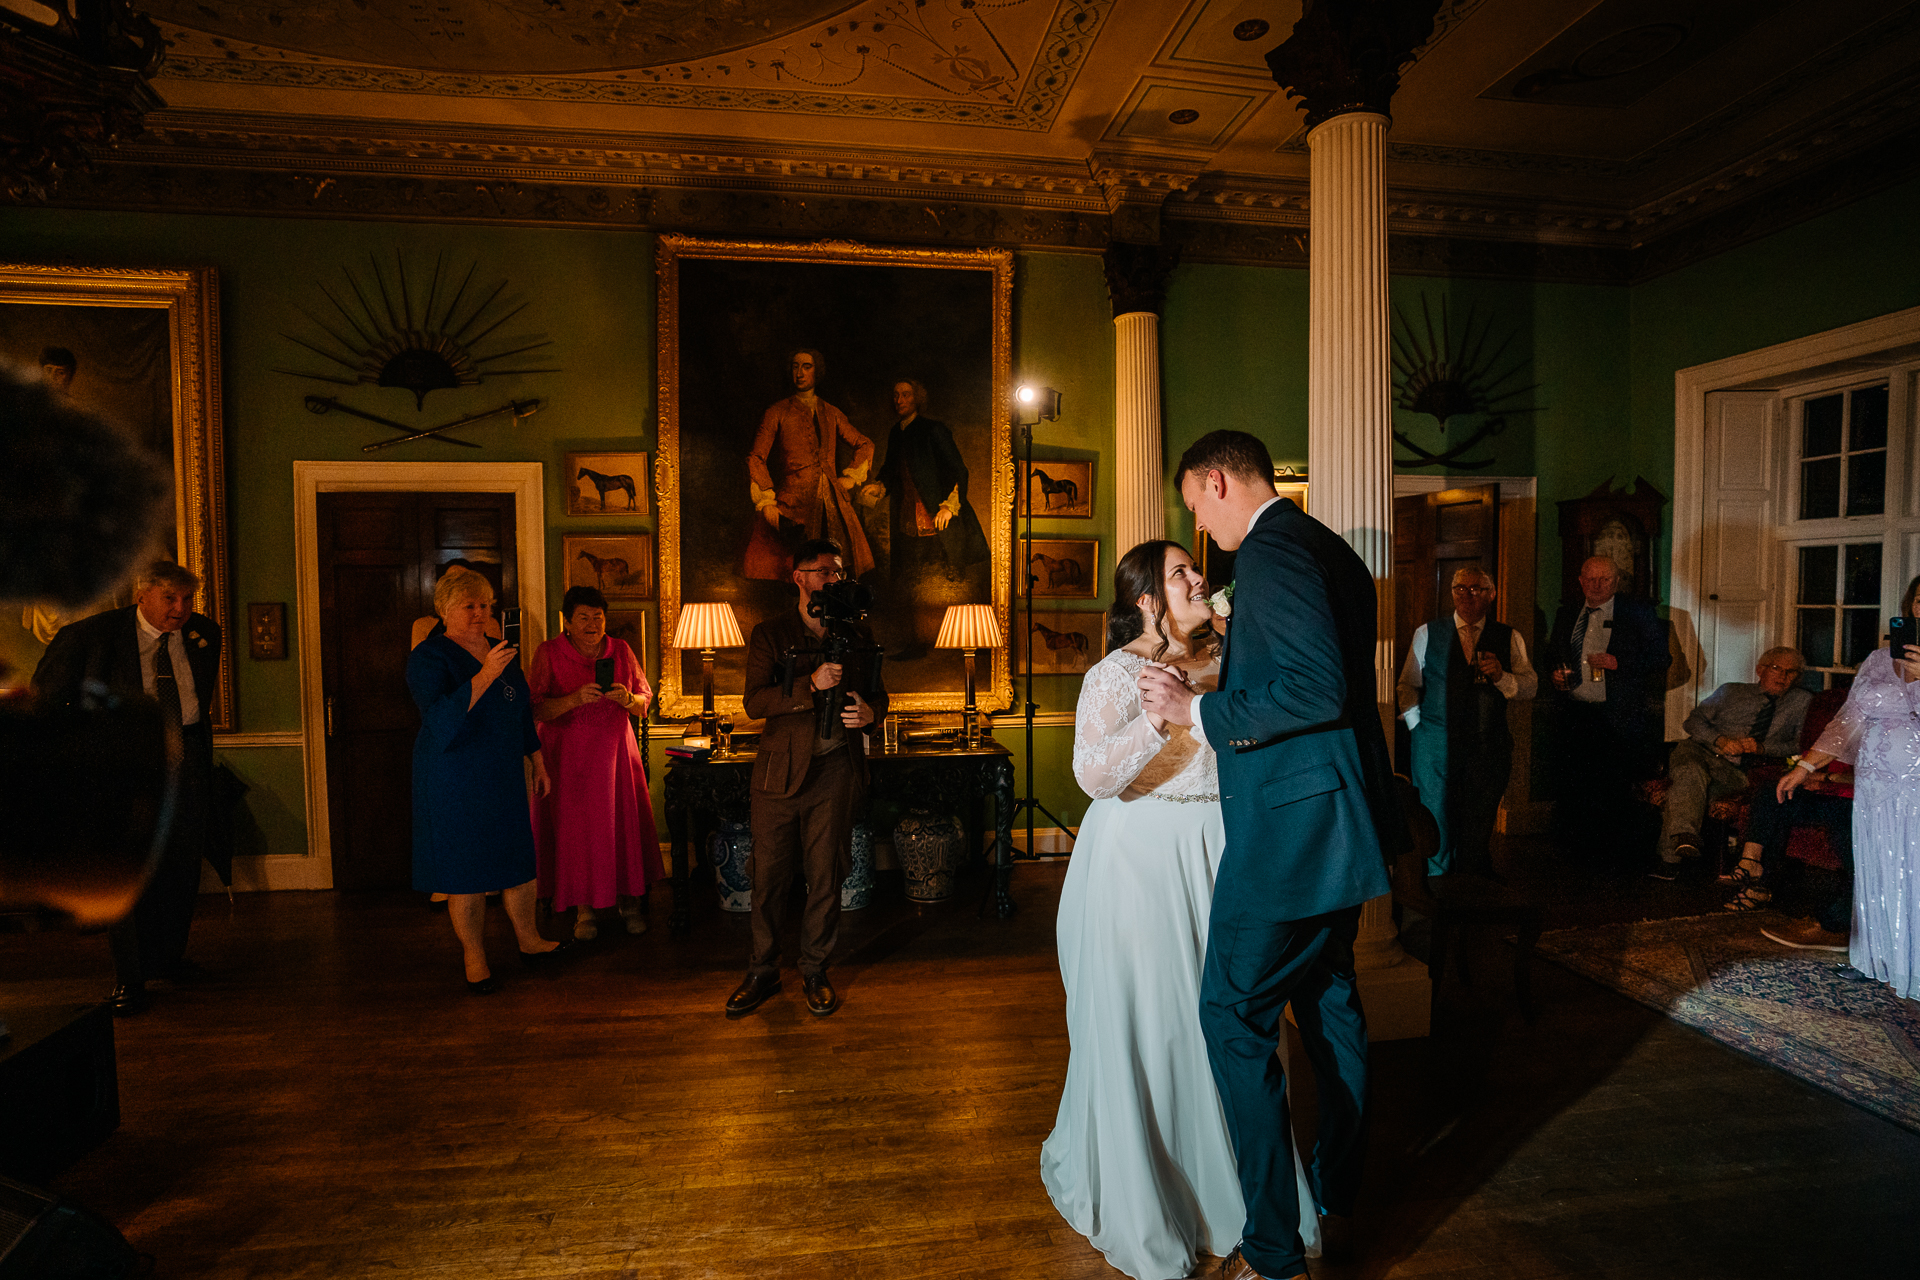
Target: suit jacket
[786,744]
[923,453]
[1305,778]
[1638,638]
[794,457]
[106,648]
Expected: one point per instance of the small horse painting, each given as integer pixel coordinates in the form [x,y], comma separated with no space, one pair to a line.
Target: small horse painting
[1063,567]
[605,484]
[1058,489]
[593,478]
[621,567]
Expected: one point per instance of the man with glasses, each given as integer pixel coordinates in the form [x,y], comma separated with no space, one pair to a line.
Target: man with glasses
[805,788]
[1461,671]
[1738,726]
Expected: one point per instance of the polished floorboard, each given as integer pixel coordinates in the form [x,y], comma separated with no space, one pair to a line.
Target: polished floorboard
[331,1103]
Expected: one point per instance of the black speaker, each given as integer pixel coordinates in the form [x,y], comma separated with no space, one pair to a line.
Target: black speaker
[44,1238]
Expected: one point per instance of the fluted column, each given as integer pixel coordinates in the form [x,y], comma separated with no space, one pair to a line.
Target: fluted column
[1138,465]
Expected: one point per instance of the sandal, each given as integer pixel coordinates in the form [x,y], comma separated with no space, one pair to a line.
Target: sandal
[1741,876]
[1751,898]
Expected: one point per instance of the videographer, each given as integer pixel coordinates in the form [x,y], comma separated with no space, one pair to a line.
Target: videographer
[810,774]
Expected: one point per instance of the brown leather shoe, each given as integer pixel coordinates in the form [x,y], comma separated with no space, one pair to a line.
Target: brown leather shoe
[822,999]
[752,993]
[1238,1268]
[1806,935]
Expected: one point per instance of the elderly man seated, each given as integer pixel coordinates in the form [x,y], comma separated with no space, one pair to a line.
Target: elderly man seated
[1738,726]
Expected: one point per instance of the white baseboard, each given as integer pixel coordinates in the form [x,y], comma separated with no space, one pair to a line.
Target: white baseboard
[1048,842]
[262,872]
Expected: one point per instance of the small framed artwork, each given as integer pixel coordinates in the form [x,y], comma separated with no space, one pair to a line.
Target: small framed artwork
[1064,643]
[631,625]
[1059,490]
[621,565]
[607,484]
[1068,568]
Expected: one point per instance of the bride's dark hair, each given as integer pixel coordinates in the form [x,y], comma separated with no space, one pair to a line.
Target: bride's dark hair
[1143,572]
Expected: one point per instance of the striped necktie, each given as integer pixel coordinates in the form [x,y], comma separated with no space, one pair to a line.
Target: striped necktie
[166,690]
[1580,632]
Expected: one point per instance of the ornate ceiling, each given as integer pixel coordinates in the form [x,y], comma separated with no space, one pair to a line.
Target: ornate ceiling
[1544,137]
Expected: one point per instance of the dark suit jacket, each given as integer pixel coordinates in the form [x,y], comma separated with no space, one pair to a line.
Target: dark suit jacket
[786,744]
[106,648]
[1638,638]
[924,452]
[1305,778]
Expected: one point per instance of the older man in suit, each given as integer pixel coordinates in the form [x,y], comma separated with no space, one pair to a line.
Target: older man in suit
[155,648]
[1306,791]
[805,788]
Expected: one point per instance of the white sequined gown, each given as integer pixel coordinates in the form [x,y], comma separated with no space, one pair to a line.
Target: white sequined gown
[1878,730]
[1139,1160]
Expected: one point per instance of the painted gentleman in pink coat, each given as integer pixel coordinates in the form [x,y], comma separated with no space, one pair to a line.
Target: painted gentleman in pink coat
[798,488]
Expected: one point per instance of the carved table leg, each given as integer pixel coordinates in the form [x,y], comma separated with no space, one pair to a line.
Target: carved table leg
[1003,839]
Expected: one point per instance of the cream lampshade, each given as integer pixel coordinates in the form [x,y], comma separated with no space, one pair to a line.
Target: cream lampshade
[969,627]
[707,627]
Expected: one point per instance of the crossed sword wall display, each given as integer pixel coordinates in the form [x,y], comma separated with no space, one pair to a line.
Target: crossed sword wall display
[327,404]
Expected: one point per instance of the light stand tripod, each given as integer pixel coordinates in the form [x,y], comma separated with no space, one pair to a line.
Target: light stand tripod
[1044,404]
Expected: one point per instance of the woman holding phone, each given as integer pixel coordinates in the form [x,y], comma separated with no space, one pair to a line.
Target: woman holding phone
[594,830]
[1878,729]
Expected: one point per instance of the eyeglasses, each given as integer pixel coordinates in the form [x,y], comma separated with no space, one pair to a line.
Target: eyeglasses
[1463,589]
[831,571]
[1785,671]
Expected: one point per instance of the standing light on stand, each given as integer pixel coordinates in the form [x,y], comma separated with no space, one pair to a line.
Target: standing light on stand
[969,627]
[707,627]
[1031,407]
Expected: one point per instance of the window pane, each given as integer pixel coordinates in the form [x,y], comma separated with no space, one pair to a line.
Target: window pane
[1869,427]
[1820,426]
[1860,636]
[1863,573]
[1816,637]
[1819,583]
[1867,484]
[1820,489]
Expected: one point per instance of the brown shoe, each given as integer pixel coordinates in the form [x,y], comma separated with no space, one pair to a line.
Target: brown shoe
[822,999]
[752,993]
[1806,935]
[1238,1268]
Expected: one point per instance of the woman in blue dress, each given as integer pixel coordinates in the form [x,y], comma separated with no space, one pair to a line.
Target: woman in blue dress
[472,830]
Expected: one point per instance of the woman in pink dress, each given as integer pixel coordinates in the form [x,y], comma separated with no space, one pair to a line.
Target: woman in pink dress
[594,832]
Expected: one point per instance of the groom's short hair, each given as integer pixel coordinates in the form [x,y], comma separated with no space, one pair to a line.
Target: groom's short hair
[1236,453]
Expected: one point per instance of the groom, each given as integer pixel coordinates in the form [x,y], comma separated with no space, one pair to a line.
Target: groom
[1305,785]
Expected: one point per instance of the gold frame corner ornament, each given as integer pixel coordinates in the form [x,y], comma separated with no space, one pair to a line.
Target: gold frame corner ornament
[676,700]
[191,297]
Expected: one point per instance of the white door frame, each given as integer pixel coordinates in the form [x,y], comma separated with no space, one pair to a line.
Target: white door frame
[1779,364]
[525,480]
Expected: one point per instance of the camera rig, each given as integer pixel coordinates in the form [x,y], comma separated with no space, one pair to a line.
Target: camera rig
[840,606]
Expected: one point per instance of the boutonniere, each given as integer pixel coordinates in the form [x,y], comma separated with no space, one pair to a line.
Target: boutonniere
[201,641]
[1222,601]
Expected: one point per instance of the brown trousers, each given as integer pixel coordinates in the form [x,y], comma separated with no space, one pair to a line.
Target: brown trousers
[812,831]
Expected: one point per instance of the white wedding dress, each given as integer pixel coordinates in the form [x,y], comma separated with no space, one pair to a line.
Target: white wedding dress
[1139,1160]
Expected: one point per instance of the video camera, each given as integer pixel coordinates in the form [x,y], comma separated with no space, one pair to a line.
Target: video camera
[840,606]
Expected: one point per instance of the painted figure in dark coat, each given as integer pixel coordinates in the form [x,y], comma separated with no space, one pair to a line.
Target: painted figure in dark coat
[1306,792]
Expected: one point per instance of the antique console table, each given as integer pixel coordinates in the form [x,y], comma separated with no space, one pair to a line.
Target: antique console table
[952,778]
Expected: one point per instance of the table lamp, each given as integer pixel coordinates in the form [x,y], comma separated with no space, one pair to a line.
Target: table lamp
[707,627]
[969,627]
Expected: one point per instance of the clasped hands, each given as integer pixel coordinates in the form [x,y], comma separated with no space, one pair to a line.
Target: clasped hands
[1165,695]
[619,693]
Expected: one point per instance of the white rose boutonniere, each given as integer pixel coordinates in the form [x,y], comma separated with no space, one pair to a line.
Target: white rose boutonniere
[1222,601]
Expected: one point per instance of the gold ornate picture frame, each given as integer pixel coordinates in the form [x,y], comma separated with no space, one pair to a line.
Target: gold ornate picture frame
[145,343]
[914,355]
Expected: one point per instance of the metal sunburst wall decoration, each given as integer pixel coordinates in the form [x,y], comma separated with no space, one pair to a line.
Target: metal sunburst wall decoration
[1436,375]
[386,330]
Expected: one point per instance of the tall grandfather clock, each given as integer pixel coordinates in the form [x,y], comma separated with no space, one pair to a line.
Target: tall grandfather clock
[1620,524]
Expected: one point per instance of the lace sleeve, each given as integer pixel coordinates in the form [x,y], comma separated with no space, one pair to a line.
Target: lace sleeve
[1112,738]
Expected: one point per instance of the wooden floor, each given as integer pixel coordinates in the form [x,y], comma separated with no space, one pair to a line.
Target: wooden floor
[333,1104]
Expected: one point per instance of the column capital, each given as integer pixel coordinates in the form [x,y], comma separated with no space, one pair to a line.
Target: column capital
[1345,55]
[1137,275]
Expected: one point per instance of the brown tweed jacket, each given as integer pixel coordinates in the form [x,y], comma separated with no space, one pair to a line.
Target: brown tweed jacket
[786,744]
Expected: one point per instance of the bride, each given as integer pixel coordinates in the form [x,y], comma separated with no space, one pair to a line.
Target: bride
[1139,1160]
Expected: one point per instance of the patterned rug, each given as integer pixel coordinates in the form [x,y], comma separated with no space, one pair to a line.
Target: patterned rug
[1805,1012]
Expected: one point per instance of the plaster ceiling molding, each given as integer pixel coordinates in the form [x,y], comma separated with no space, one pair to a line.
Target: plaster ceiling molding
[1180,116]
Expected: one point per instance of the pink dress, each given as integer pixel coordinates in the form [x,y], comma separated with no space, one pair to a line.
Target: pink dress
[594,832]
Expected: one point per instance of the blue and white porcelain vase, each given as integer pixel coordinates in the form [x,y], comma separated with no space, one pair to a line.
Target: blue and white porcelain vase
[929,847]
[729,849]
[856,891]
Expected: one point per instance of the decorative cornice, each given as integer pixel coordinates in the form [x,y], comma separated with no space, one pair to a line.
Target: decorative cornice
[68,89]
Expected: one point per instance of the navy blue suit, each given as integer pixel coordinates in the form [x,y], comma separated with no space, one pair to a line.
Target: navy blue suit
[1311,819]
[1599,749]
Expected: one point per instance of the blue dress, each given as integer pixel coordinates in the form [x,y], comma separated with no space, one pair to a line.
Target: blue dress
[472,830]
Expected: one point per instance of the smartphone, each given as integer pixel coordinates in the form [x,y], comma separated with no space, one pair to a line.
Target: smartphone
[1901,632]
[510,625]
[603,673]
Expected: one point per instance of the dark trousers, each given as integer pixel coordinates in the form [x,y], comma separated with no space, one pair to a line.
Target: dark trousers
[1771,823]
[152,941]
[1594,772]
[1460,783]
[810,831]
[1254,969]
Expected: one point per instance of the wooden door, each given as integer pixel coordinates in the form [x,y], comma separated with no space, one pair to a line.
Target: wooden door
[380,556]
[1435,534]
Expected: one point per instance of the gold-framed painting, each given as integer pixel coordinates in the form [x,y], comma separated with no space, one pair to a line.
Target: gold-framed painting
[898,362]
[141,347]
[619,564]
[1066,642]
[1064,568]
[1059,489]
[608,484]
[630,624]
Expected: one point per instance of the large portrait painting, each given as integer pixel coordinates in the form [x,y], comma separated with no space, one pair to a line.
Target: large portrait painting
[142,349]
[838,391]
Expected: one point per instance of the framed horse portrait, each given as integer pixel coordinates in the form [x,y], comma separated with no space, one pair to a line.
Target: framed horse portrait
[1065,643]
[837,391]
[608,484]
[1067,568]
[619,564]
[140,348]
[1059,490]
